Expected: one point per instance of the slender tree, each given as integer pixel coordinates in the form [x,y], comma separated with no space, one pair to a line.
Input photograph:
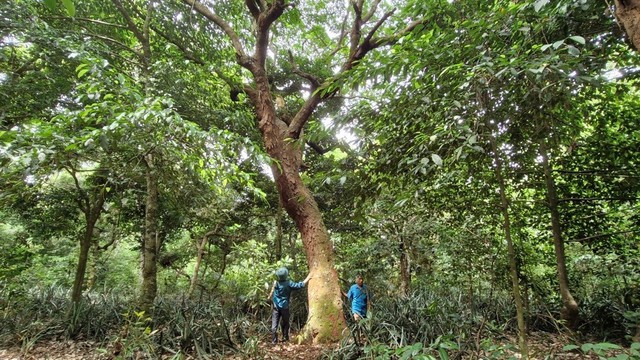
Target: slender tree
[515,279]
[569,310]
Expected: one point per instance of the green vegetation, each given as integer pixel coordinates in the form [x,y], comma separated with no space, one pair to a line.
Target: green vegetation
[477,161]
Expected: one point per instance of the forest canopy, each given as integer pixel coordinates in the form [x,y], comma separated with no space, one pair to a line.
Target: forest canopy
[476,162]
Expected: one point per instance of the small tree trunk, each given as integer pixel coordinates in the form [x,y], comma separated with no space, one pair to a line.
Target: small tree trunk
[92,211]
[93,261]
[199,255]
[522,331]
[405,272]
[569,312]
[150,246]
[85,246]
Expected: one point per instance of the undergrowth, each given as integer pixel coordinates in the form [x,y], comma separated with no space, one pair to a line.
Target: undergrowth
[423,325]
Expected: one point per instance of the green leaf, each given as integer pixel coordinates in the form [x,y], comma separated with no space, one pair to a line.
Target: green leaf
[606,346]
[578,39]
[82,72]
[539,4]
[621,357]
[436,159]
[400,202]
[443,354]
[570,347]
[573,50]
[50,4]
[71,8]
[473,139]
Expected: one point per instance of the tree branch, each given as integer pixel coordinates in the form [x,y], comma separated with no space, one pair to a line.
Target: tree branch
[83,201]
[187,53]
[603,235]
[371,11]
[130,23]
[116,42]
[315,81]
[302,116]
[243,59]
[235,88]
[315,146]
[357,52]
[254,8]
[343,34]
[597,199]
[356,28]
[264,22]
[392,39]
[99,22]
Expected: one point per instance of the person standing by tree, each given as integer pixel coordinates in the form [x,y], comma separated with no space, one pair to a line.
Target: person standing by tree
[360,300]
[279,295]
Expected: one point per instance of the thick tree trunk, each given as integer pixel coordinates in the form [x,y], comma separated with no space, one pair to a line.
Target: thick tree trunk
[326,320]
[522,331]
[628,15]
[569,312]
[150,246]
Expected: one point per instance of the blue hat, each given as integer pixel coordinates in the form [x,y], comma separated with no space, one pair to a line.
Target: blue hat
[282,274]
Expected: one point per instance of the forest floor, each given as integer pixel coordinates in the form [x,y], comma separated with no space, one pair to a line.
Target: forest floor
[541,346]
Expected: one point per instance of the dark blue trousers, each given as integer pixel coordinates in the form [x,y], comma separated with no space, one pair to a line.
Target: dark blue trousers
[279,315]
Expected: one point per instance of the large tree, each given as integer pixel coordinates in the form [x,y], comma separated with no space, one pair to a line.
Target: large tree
[281,122]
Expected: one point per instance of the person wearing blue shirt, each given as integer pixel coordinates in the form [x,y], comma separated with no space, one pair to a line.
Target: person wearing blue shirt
[360,299]
[279,296]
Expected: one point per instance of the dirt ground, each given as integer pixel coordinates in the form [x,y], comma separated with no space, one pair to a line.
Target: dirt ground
[88,350]
[542,346]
